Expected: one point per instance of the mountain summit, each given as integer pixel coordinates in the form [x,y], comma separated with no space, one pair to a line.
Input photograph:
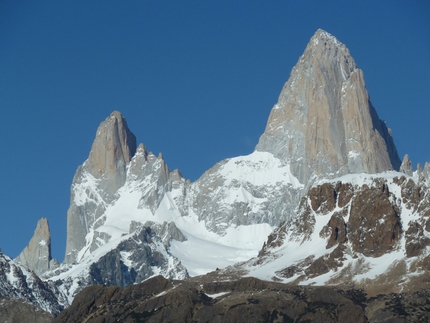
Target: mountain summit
[324,122]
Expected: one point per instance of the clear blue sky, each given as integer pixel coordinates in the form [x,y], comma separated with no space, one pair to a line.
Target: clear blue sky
[196,80]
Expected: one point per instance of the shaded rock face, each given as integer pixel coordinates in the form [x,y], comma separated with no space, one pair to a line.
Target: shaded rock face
[143,254]
[324,122]
[369,220]
[37,255]
[98,179]
[374,225]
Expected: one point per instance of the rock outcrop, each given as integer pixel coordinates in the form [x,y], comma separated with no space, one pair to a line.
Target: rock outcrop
[324,122]
[374,229]
[96,182]
[111,152]
[37,255]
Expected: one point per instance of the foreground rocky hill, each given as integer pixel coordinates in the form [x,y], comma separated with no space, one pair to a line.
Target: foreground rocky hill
[245,300]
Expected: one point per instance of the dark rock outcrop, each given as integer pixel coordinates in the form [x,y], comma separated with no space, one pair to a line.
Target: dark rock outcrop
[246,300]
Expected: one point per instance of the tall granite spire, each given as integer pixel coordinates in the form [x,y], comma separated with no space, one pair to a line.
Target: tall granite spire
[37,255]
[324,122]
[98,179]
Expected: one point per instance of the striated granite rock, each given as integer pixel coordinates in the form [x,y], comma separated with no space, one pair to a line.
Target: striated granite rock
[37,255]
[96,182]
[324,122]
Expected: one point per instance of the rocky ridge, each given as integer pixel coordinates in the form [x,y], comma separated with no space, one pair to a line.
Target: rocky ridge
[244,300]
[17,310]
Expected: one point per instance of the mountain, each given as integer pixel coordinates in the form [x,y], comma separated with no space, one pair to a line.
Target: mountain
[324,122]
[320,201]
[125,199]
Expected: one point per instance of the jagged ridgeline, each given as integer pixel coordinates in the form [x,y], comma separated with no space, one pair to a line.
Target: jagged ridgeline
[320,201]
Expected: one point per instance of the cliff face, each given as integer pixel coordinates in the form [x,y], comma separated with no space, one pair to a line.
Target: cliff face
[324,122]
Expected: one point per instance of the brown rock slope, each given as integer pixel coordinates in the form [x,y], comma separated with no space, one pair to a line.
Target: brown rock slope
[245,300]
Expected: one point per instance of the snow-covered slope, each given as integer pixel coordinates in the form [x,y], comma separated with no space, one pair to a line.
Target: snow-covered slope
[353,230]
[187,228]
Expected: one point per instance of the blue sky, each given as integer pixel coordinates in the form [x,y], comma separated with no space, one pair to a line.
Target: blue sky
[196,80]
